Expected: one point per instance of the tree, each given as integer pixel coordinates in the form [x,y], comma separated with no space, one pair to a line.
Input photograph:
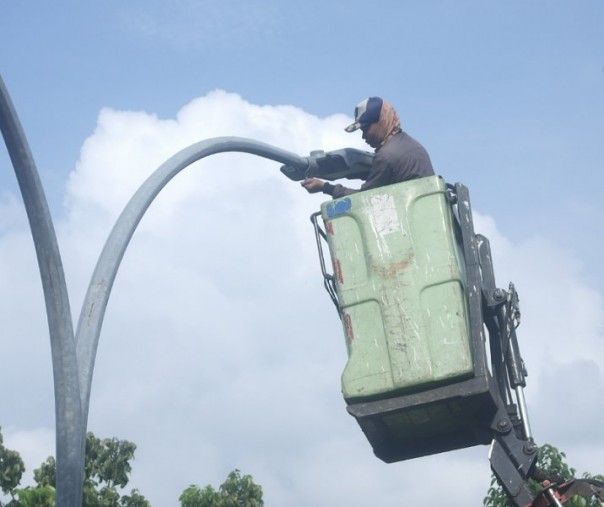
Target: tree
[552,462]
[106,469]
[106,472]
[11,470]
[194,496]
[40,496]
[235,491]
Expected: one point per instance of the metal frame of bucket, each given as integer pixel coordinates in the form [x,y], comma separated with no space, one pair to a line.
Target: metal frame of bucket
[478,410]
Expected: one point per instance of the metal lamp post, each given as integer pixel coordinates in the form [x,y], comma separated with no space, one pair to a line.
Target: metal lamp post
[99,289]
[70,427]
[73,356]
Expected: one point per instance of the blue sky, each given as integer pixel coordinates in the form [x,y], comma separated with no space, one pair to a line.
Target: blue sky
[508,98]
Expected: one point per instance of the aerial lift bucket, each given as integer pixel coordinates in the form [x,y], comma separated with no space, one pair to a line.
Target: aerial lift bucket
[405,286]
[433,358]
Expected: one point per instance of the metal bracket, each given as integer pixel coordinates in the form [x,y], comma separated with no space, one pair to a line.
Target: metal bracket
[328,279]
[348,163]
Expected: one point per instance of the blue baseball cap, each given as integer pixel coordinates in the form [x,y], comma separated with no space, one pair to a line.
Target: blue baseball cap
[367,112]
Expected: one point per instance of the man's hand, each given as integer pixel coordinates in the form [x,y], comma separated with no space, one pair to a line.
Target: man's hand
[313,185]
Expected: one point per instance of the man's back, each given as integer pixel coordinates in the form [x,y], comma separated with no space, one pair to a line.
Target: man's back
[400,159]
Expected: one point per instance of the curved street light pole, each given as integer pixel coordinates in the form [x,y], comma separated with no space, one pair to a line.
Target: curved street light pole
[99,289]
[73,357]
[68,412]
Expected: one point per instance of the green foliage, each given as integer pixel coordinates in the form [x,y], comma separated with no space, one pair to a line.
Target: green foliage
[45,475]
[40,496]
[194,496]
[239,491]
[107,468]
[235,491]
[135,499]
[109,460]
[552,462]
[11,469]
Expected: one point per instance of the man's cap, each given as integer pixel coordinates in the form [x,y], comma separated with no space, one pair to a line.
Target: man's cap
[367,112]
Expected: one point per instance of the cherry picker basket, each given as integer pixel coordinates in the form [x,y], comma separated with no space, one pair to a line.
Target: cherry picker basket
[433,358]
[407,285]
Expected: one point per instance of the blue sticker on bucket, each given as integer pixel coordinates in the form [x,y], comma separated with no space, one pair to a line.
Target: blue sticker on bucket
[338,207]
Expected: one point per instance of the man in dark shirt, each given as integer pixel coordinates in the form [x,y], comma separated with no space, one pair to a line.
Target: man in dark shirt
[398,157]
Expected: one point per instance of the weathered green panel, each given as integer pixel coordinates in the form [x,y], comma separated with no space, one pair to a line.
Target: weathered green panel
[399,281]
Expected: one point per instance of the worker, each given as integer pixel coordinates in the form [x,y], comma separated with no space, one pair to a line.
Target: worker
[398,157]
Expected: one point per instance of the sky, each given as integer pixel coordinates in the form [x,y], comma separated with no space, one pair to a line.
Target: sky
[220,348]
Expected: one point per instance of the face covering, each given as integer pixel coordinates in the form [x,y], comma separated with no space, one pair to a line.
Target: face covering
[388,125]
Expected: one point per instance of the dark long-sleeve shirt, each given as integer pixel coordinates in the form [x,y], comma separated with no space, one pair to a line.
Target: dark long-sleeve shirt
[401,158]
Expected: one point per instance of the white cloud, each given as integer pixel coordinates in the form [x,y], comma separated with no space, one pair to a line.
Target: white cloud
[220,349]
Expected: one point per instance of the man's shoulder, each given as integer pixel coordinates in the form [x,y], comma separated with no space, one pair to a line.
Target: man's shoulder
[406,157]
[400,143]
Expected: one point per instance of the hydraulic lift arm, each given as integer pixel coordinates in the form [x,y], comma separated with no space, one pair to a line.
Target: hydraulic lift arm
[513,454]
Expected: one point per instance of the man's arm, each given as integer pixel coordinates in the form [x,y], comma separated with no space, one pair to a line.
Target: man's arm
[379,175]
[315,185]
